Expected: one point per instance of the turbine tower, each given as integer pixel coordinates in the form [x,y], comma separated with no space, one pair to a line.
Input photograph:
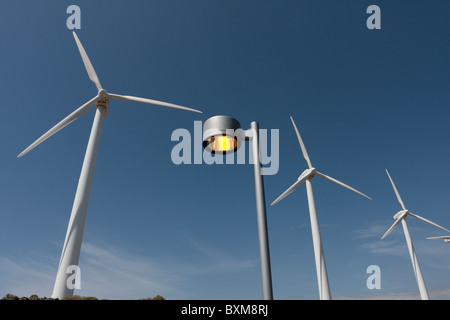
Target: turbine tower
[306,177]
[72,244]
[400,217]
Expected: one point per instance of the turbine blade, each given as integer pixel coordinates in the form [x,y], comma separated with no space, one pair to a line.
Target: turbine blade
[441,237]
[87,63]
[302,145]
[394,224]
[428,221]
[149,101]
[301,180]
[342,184]
[396,191]
[66,121]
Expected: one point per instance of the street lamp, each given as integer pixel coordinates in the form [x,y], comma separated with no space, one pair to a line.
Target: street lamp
[223,135]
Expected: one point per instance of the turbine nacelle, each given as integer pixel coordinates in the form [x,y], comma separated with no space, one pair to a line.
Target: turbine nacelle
[400,213]
[102,94]
[308,174]
[103,100]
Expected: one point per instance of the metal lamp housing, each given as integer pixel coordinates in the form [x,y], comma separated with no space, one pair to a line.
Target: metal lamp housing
[222,126]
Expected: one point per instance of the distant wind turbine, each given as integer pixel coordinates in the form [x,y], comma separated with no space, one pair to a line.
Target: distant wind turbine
[306,177]
[72,244]
[400,217]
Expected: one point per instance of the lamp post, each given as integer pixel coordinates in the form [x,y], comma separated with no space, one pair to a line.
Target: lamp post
[223,135]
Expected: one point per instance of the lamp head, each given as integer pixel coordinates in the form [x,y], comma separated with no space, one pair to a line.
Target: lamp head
[221,135]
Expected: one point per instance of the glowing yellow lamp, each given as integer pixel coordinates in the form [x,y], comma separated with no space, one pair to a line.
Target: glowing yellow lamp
[221,135]
[223,143]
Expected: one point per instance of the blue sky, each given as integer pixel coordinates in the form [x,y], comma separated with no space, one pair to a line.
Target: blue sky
[363,100]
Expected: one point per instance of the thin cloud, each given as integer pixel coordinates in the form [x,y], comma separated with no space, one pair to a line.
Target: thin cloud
[382,296]
[110,272]
[390,247]
[26,277]
[371,231]
[218,260]
[442,293]
[106,272]
[369,239]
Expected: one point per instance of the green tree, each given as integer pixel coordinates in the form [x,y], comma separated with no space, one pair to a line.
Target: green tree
[10,296]
[157,297]
[77,297]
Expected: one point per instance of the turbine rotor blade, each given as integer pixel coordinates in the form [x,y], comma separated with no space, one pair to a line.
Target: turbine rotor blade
[342,184]
[399,219]
[87,63]
[428,221]
[302,145]
[299,182]
[149,101]
[441,237]
[66,121]
[396,191]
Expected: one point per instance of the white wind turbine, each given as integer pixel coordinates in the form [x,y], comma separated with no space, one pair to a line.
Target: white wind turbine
[400,217]
[72,244]
[306,177]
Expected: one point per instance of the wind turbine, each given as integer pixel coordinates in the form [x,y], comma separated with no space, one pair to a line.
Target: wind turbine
[400,217]
[445,238]
[306,177]
[72,244]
